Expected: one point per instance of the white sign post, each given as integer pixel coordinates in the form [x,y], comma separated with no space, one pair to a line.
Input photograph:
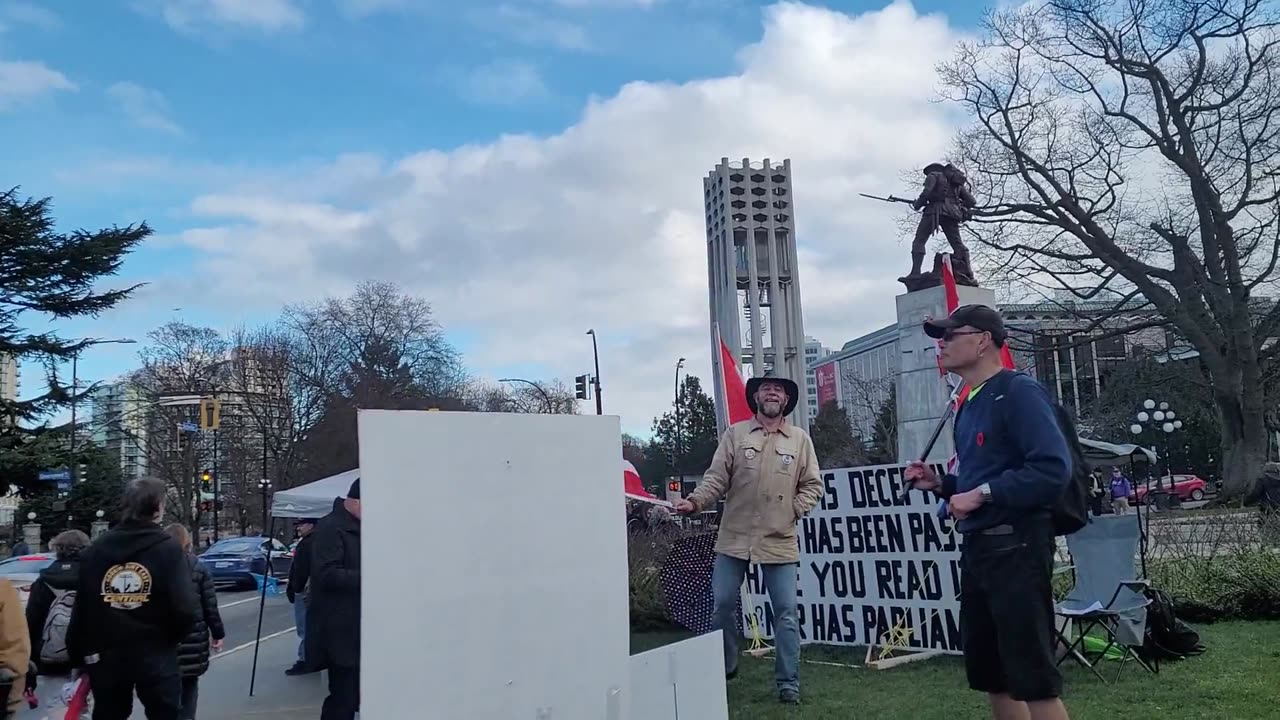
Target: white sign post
[875,570]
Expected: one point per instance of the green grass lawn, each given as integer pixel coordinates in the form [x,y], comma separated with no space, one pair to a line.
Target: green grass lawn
[1238,678]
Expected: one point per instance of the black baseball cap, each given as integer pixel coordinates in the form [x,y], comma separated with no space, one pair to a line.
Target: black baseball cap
[354,492]
[979,317]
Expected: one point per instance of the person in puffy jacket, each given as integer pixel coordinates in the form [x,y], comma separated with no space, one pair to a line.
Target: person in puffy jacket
[193,652]
[50,603]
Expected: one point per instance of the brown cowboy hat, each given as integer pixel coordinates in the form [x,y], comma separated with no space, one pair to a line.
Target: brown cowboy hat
[793,392]
[934,167]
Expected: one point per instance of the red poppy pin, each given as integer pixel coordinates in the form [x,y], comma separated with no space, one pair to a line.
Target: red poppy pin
[981,439]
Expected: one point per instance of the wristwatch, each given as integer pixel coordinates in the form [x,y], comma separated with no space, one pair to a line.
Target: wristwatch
[985,490]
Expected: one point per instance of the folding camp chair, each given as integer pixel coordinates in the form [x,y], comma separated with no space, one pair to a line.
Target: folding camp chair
[1107,595]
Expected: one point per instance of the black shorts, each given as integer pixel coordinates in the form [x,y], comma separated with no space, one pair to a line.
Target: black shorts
[1006,613]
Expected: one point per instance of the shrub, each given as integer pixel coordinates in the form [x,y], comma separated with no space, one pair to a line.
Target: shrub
[1218,567]
[646,551]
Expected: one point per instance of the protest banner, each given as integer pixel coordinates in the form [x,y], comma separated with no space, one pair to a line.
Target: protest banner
[873,565]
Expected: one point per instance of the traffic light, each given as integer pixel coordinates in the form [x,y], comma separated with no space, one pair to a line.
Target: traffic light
[674,486]
[82,472]
[205,478]
[581,383]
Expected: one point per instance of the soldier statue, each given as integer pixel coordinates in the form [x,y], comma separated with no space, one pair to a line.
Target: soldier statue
[945,202]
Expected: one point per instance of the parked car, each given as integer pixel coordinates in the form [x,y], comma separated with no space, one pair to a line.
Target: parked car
[1185,487]
[23,570]
[233,562]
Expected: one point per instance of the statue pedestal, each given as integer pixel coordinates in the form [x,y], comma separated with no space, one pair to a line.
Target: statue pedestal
[31,536]
[921,392]
[98,527]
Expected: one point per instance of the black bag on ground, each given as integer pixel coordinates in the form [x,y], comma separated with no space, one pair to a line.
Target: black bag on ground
[1168,638]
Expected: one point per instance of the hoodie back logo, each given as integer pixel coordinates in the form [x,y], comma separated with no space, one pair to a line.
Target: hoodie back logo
[127,586]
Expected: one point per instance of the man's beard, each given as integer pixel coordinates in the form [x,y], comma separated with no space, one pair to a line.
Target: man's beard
[771,409]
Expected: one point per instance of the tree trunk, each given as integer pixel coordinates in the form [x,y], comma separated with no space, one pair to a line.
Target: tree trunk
[1244,441]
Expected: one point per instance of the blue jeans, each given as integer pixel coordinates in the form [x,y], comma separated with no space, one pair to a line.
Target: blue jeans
[780,581]
[300,603]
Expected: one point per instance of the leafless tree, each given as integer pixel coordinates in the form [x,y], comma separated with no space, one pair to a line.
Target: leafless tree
[522,397]
[1126,151]
[180,359]
[871,405]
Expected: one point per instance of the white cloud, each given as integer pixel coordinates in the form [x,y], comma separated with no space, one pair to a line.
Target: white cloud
[363,8]
[22,80]
[609,3]
[525,242]
[22,13]
[145,107]
[265,15]
[534,28]
[500,82]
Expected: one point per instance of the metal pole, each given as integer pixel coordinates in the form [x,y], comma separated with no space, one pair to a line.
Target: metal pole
[262,602]
[679,443]
[75,469]
[216,482]
[595,351]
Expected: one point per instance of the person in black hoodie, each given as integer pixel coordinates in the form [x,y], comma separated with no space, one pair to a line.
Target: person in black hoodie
[333,630]
[193,652]
[51,601]
[299,575]
[134,604]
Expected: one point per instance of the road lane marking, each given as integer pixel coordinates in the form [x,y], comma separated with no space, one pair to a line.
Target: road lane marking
[249,644]
[255,598]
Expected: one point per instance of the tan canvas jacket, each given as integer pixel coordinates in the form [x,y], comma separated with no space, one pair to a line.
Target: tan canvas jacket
[768,482]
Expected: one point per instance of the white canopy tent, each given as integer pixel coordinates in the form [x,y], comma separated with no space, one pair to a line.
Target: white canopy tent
[1100,453]
[313,500]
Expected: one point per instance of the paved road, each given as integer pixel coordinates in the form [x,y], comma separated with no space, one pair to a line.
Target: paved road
[228,677]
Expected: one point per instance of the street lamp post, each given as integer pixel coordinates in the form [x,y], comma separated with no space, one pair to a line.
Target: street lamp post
[595,351]
[75,385]
[546,398]
[1158,417]
[679,440]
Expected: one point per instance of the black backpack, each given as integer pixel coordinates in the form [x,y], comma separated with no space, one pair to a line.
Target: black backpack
[1071,512]
[1167,637]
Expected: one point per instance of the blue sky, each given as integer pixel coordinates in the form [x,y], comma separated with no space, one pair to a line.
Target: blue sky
[226,124]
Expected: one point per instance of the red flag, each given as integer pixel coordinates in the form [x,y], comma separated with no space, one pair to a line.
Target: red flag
[953,302]
[735,390]
[633,488]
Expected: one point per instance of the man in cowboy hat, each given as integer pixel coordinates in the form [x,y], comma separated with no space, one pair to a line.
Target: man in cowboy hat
[946,202]
[767,472]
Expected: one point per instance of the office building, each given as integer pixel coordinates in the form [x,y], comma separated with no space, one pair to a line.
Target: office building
[8,377]
[814,352]
[1046,341]
[119,422]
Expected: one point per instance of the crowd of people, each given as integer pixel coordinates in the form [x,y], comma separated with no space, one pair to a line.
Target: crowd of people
[134,613]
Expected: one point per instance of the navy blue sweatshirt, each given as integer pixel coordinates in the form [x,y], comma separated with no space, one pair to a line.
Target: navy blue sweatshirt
[1008,436]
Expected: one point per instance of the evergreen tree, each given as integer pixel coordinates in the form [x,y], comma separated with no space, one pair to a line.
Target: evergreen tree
[686,449]
[833,439]
[54,274]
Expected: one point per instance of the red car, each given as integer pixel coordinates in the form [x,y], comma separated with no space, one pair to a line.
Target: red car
[1186,487]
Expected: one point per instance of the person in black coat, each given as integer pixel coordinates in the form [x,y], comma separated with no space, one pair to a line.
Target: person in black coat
[55,587]
[193,651]
[333,631]
[298,594]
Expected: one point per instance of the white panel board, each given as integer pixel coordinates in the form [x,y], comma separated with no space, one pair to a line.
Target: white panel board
[682,681]
[494,566]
